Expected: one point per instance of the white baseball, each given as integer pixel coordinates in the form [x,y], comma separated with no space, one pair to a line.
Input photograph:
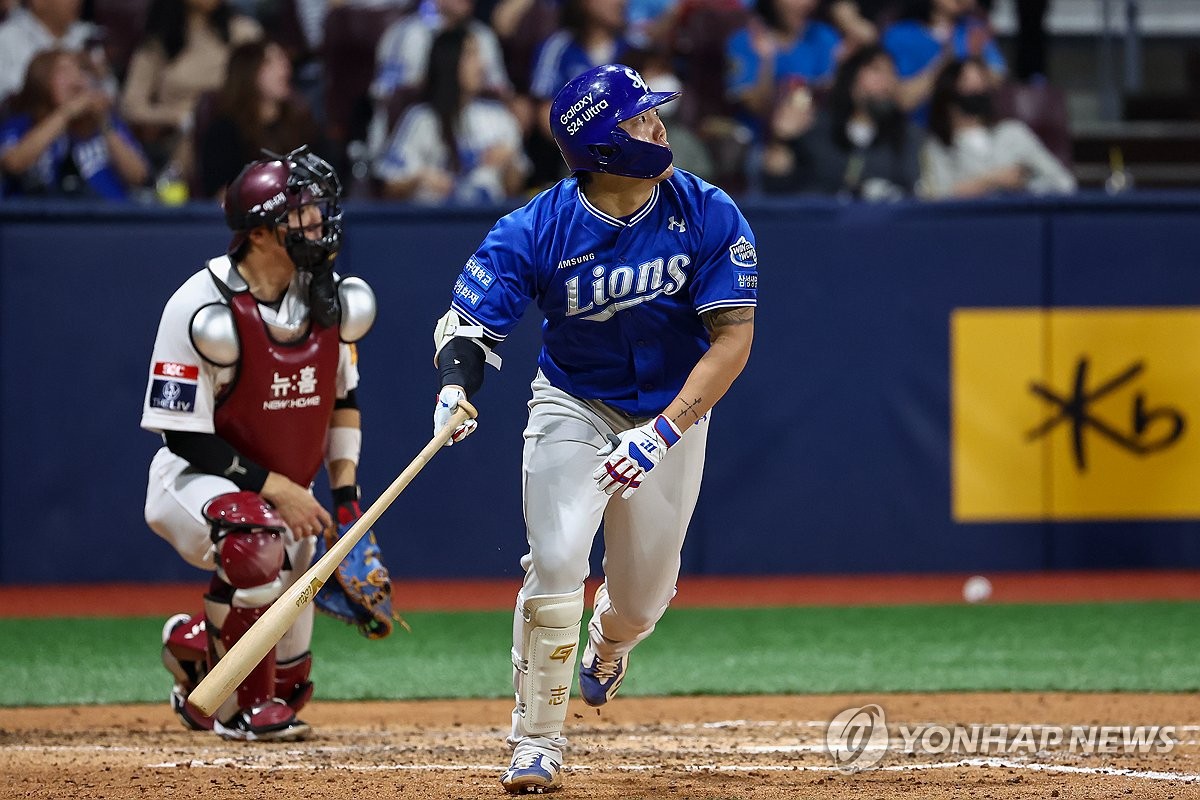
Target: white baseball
[977,589]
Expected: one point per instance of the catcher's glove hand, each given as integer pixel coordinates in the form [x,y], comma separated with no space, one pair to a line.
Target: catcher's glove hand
[361,592]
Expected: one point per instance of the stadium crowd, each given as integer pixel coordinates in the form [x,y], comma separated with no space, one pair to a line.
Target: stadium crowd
[448,100]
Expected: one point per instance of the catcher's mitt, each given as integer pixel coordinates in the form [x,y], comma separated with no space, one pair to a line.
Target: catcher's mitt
[361,590]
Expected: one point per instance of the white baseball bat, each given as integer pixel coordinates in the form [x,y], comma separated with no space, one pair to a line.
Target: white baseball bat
[264,634]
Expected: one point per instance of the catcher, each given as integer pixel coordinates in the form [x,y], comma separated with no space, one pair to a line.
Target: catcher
[252,386]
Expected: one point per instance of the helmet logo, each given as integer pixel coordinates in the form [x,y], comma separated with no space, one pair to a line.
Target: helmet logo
[271,204]
[638,80]
[581,112]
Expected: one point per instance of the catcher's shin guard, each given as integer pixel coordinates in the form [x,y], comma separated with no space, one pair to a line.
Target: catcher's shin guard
[548,635]
[185,655]
[254,713]
[292,685]
[248,538]
[259,686]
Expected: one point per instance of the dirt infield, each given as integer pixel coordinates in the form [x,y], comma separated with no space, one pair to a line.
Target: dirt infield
[708,747]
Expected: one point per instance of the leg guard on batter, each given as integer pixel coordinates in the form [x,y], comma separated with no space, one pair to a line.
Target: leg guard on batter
[248,538]
[547,636]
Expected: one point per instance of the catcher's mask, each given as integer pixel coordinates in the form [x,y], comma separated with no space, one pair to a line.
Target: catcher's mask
[268,190]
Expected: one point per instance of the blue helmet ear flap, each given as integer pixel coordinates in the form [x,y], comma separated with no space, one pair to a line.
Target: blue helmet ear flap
[603,154]
[634,158]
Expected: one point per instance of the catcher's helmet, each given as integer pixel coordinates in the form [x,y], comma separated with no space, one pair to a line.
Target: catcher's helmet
[266,190]
[584,119]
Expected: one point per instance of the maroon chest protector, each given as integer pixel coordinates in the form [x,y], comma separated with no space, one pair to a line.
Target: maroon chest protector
[277,410]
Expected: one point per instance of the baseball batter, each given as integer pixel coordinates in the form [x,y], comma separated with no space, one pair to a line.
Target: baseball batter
[647,277]
[252,386]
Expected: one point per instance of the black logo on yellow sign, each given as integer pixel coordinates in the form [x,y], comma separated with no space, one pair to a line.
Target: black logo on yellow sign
[1075,409]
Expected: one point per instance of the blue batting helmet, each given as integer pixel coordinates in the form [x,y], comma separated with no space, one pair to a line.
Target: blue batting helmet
[584,119]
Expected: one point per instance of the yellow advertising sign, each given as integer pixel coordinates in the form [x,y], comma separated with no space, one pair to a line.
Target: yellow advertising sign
[1073,414]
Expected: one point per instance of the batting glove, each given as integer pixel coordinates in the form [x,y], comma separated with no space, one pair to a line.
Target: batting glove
[447,404]
[632,454]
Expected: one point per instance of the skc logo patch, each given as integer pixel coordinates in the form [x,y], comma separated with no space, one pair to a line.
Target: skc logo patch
[174,386]
[743,254]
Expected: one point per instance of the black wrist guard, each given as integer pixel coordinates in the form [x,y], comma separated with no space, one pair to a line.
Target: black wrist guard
[344,495]
[460,362]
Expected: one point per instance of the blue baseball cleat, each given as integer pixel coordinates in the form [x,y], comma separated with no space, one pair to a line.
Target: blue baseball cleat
[599,680]
[532,772]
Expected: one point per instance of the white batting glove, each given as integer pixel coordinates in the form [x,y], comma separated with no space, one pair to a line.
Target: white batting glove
[632,454]
[447,404]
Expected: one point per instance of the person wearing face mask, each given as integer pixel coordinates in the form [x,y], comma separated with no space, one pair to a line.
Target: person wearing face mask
[861,145]
[971,154]
[928,34]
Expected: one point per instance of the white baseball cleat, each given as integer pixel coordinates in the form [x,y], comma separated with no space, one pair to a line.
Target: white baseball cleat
[531,772]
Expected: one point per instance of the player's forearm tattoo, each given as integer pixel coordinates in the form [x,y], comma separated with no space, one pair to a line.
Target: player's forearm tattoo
[689,412]
[742,315]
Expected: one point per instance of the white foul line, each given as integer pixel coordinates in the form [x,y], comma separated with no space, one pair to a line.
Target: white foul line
[1153,775]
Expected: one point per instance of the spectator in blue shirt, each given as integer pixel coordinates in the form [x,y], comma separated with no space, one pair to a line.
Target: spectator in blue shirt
[592,33]
[782,47]
[931,33]
[65,138]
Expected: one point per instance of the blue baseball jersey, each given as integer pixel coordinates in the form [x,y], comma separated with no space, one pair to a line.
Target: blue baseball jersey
[560,58]
[622,298]
[914,47]
[813,58]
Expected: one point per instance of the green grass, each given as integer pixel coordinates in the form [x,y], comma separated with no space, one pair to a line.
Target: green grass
[1090,647]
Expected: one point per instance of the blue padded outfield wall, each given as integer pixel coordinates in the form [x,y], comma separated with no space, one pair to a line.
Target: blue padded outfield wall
[915,400]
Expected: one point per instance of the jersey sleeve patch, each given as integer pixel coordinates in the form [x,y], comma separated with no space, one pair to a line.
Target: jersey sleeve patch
[745,280]
[173,387]
[467,294]
[478,274]
[175,371]
[743,254]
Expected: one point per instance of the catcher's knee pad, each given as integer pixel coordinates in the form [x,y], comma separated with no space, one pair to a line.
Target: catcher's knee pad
[248,535]
[543,672]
